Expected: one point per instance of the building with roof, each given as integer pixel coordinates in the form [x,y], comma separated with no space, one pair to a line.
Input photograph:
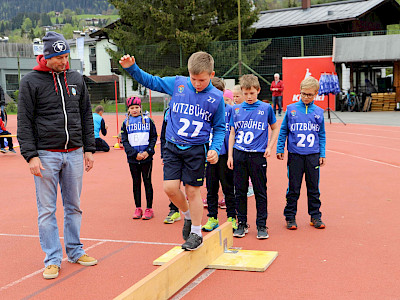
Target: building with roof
[328,18]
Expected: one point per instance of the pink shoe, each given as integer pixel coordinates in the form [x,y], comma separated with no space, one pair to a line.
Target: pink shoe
[205,204]
[138,213]
[148,214]
[222,204]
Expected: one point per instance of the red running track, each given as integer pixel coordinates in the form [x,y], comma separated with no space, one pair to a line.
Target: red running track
[355,257]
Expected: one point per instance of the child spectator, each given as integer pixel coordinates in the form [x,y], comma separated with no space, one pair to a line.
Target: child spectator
[220,173]
[238,97]
[304,128]
[248,152]
[196,107]
[173,214]
[139,137]
[100,125]
[3,131]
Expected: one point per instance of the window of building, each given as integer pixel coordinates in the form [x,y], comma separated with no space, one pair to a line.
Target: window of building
[11,83]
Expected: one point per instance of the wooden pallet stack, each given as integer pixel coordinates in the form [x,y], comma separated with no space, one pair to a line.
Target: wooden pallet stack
[383,102]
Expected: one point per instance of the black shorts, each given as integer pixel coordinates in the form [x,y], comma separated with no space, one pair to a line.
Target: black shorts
[186,165]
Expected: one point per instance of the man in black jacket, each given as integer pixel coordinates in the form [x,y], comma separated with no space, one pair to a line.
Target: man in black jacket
[2,103]
[56,135]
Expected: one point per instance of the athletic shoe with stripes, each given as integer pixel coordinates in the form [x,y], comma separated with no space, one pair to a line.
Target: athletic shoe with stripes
[172,217]
[193,242]
[262,232]
[241,231]
[317,223]
[291,224]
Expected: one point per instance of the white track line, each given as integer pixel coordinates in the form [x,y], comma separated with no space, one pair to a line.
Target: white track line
[195,283]
[372,145]
[96,240]
[40,271]
[367,159]
[369,135]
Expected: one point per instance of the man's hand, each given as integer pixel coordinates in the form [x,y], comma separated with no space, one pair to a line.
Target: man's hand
[322,161]
[139,156]
[145,155]
[212,157]
[280,156]
[35,165]
[89,161]
[127,61]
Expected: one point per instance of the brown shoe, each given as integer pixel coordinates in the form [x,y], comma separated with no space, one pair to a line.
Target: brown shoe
[86,260]
[51,272]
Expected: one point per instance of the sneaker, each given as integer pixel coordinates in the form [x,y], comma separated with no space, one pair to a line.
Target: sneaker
[138,213]
[241,230]
[205,204]
[148,214]
[291,224]
[193,242]
[222,204]
[211,224]
[250,191]
[262,232]
[11,150]
[2,150]
[172,217]
[86,260]
[317,223]
[187,227]
[51,272]
[234,223]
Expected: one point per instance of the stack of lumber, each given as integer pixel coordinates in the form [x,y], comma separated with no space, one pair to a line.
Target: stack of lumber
[383,101]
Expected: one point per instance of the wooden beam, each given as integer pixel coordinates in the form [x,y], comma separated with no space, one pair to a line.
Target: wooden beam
[172,276]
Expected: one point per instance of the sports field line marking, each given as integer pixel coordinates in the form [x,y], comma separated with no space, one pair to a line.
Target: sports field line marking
[369,135]
[367,159]
[195,283]
[375,146]
[96,240]
[40,271]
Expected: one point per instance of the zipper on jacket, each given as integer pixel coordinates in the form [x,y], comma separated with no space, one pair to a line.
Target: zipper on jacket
[306,108]
[64,110]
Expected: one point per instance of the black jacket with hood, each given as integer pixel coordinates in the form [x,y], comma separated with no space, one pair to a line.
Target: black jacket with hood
[54,111]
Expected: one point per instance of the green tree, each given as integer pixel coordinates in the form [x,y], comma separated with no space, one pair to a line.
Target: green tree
[27,25]
[178,25]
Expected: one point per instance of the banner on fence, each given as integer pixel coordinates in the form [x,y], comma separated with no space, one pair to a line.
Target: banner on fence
[295,69]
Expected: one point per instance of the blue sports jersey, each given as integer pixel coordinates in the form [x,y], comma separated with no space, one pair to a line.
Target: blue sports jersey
[138,133]
[97,124]
[304,127]
[191,113]
[225,145]
[206,106]
[250,122]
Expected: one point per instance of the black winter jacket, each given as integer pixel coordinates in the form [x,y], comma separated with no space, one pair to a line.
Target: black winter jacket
[49,118]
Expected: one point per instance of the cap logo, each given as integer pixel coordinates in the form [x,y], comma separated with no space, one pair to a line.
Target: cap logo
[59,46]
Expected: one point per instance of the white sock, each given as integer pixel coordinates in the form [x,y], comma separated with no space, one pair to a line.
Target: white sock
[186,214]
[196,230]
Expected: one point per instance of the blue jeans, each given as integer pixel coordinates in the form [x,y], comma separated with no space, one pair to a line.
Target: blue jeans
[277,100]
[65,169]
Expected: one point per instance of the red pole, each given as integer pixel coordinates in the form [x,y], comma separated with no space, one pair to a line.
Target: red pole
[116,105]
[150,103]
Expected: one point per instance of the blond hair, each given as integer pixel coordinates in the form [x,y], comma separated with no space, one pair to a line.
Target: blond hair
[218,83]
[310,83]
[248,81]
[237,88]
[200,62]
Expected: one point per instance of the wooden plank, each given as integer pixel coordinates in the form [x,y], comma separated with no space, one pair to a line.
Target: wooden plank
[172,276]
[7,135]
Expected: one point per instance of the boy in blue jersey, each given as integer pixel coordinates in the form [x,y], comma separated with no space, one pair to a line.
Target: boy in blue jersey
[196,107]
[100,126]
[304,128]
[248,151]
[220,173]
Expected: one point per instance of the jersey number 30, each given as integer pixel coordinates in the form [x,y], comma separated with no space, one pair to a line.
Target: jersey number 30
[186,124]
[310,139]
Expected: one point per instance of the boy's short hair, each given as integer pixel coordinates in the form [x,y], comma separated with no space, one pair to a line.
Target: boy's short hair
[218,83]
[98,109]
[310,83]
[248,81]
[200,62]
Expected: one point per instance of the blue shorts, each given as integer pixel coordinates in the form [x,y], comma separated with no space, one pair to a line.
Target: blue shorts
[186,165]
